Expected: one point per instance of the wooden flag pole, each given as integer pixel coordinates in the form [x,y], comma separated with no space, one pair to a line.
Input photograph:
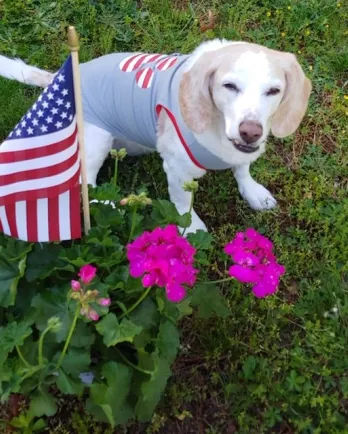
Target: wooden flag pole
[73,41]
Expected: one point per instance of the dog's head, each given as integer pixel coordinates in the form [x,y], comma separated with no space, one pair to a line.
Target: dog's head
[254,90]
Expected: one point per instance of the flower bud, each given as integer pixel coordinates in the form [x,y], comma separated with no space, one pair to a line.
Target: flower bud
[190,186]
[93,315]
[54,324]
[124,201]
[104,301]
[75,285]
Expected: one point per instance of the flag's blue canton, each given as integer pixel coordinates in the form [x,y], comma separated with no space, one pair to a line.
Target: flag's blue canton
[54,110]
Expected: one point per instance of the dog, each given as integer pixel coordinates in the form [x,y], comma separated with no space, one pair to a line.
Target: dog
[211,109]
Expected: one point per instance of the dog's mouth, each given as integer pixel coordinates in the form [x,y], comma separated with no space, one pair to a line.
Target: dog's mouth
[248,149]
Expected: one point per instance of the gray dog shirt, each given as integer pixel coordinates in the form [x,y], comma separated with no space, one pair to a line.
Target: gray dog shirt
[123,93]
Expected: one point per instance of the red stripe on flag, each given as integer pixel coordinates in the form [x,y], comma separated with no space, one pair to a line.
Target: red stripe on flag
[32,223]
[43,172]
[11,218]
[41,193]
[53,218]
[75,212]
[44,151]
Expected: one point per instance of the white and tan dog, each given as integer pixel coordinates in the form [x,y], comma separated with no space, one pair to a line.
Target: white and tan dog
[231,95]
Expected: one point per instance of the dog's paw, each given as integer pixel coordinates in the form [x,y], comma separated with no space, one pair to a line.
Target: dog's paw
[257,196]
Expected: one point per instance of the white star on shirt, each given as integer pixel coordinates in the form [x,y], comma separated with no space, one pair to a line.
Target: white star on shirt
[50,95]
[40,113]
[35,122]
[64,92]
[49,120]
[58,124]
[43,128]
[30,130]
[45,104]
[59,101]
[54,110]
[55,86]
[61,77]
[24,123]
[68,105]
[64,115]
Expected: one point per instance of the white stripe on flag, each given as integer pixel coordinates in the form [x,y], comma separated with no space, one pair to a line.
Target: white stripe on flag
[4,221]
[64,216]
[37,184]
[37,141]
[21,220]
[42,220]
[39,163]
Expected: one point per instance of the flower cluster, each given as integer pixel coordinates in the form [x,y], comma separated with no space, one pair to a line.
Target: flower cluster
[163,258]
[86,296]
[254,262]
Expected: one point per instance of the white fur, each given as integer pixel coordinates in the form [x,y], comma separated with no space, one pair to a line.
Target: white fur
[253,73]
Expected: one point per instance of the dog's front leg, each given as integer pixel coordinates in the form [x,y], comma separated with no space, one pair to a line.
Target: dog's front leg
[257,196]
[181,198]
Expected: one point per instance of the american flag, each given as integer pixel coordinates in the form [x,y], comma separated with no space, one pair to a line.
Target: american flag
[40,168]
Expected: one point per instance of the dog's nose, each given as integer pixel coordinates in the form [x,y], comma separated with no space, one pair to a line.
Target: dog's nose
[250,131]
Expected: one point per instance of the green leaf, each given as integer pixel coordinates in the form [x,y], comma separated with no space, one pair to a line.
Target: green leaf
[39,425]
[201,240]
[76,361]
[16,249]
[168,341]
[43,261]
[145,315]
[11,336]
[117,278]
[105,191]
[151,391]
[165,212]
[42,403]
[208,299]
[53,302]
[10,273]
[67,385]
[115,332]
[83,336]
[109,401]
[249,367]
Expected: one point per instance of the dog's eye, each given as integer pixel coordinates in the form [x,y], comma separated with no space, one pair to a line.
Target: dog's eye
[272,91]
[231,86]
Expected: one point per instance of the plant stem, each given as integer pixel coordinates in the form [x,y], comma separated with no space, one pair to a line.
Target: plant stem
[20,355]
[68,339]
[136,304]
[133,223]
[115,171]
[40,350]
[217,281]
[143,371]
[190,210]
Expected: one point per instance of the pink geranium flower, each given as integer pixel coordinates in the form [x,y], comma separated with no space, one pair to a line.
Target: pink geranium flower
[255,262]
[163,258]
[87,273]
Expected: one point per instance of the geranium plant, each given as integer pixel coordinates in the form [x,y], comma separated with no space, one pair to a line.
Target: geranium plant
[99,318]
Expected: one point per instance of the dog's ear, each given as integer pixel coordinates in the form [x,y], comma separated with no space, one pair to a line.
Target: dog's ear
[294,104]
[194,95]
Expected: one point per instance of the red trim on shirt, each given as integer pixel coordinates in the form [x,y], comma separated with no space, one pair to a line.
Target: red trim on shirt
[159,107]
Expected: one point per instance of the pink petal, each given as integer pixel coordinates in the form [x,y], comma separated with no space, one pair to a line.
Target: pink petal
[87,273]
[260,290]
[245,258]
[75,285]
[243,274]
[175,292]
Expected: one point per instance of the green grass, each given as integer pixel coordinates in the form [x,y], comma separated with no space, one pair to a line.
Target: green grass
[277,365]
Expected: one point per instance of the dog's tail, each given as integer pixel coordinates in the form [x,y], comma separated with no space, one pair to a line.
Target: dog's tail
[16,69]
